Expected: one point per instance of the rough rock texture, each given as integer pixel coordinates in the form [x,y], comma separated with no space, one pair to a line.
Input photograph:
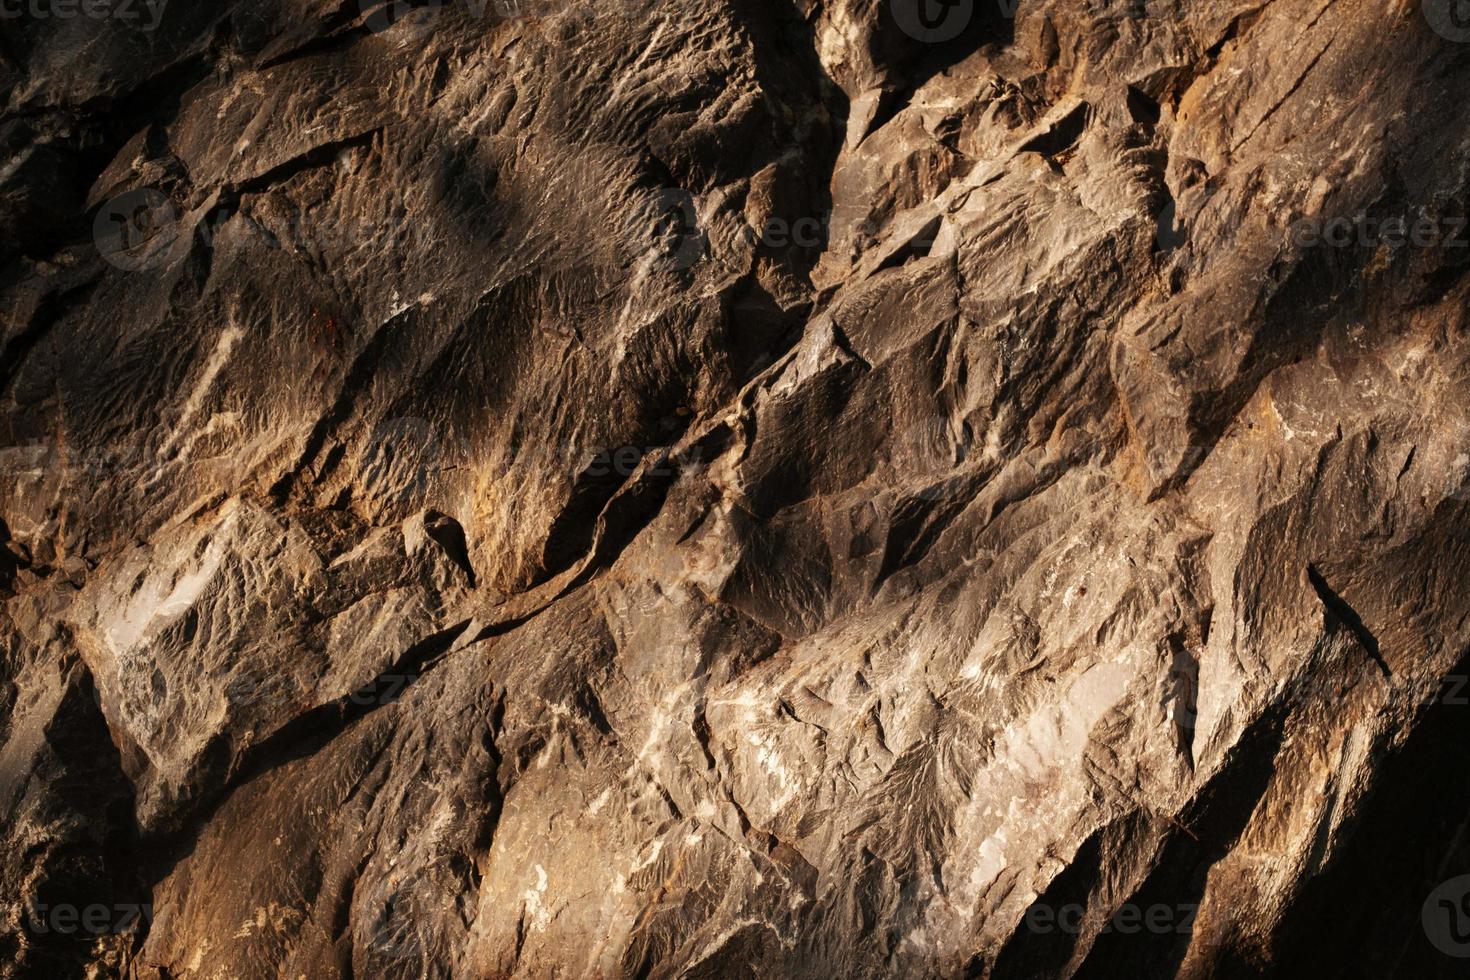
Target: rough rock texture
[721,488]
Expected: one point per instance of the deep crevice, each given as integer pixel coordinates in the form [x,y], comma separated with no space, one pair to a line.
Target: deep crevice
[990,23]
[1339,611]
[1062,135]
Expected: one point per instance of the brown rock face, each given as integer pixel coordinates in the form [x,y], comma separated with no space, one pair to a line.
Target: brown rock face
[719,488]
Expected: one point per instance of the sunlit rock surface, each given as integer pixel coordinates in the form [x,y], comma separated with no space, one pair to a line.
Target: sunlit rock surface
[801,488]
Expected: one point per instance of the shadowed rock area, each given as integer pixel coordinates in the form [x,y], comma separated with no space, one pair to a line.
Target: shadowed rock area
[734,488]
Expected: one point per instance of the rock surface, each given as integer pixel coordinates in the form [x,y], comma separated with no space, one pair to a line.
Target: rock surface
[803,488]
